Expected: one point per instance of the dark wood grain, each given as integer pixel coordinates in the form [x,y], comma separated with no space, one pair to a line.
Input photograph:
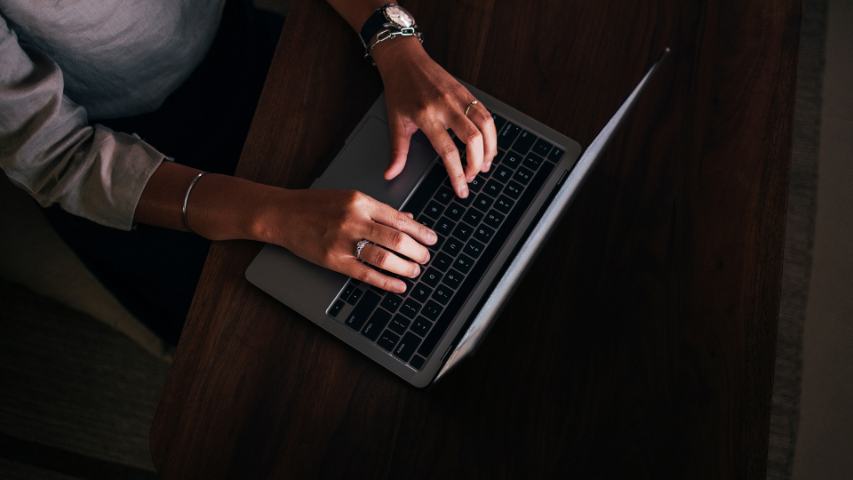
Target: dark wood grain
[641,342]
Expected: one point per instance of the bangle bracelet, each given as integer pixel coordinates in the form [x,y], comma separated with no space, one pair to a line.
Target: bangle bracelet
[187,200]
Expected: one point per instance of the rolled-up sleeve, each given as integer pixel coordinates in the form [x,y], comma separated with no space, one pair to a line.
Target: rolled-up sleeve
[48,148]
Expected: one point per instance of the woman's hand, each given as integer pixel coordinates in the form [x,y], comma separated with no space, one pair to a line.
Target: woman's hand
[323,226]
[420,94]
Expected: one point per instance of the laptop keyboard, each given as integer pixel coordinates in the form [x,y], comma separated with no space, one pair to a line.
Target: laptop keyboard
[470,233]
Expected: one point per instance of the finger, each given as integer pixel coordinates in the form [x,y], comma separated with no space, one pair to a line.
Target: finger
[481,117]
[400,141]
[404,222]
[389,261]
[446,149]
[367,274]
[473,140]
[409,214]
[397,241]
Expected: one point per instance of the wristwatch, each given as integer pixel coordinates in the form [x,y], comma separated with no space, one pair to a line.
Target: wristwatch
[386,23]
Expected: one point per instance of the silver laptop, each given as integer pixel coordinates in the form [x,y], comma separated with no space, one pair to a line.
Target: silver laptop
[485,241]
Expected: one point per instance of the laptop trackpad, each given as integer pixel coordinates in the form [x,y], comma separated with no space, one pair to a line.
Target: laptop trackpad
[363,160]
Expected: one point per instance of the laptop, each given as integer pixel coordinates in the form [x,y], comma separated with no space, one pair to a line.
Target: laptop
[486,241]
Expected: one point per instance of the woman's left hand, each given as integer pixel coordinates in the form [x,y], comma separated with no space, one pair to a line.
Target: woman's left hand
[420,94]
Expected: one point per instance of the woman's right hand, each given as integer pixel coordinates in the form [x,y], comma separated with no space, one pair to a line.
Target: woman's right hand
[323,227]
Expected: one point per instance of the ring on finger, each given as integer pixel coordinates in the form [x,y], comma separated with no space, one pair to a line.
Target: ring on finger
[359,247]
[468,107]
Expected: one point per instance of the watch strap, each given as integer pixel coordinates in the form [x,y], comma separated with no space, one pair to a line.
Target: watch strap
[373,25]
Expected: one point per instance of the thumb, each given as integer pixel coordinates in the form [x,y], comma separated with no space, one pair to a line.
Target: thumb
[400,140]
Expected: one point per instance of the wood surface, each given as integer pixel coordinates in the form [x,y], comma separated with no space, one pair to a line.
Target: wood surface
[641,342]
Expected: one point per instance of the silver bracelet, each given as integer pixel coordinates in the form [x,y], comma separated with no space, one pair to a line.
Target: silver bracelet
[187,199]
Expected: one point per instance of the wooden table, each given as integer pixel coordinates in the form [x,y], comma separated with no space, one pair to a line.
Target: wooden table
[641,342]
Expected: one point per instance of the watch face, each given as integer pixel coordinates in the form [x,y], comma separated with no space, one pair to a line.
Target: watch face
[399,16]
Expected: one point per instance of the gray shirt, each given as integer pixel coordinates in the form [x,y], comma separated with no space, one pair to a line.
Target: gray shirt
[65,64]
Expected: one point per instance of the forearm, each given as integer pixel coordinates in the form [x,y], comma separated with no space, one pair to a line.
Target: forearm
[220,207]
[356,12]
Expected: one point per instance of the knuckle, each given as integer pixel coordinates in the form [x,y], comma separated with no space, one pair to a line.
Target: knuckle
[380,256]
[385,283]
[397,240]
[472,135]
[400,221]
[448,97]
[447,149]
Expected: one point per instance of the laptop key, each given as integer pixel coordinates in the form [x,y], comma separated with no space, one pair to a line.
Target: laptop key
[532,161]
[474,248]
[463,232]
[442,294]
[523,175]
[454,211]
[453,247]
[472,217]
[354,296]
[504,204]
[388,340]
[391,302]
[555,155]
[417,362]
[524,142]
[476,184]
[483,203]
[512,160]
[507,135]
[407,346]
[443,261]
[463,263]
[493,219]
[542,147]
[410,308]
[493,188]
[376,324]
[399,324]
[503,173]
[499,121]
[431,277]
[426,221]
[513,189]
[444,195]
[453,279]
[431,310]
[421,326]
[433,209]
[444,226]
[336,307]
[421,292]
[484,234]
[347,291]
[362,311]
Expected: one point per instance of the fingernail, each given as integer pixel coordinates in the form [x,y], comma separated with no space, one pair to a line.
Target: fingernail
[417,271]
[401,287]
[488,166]
[433,237]
[463,191]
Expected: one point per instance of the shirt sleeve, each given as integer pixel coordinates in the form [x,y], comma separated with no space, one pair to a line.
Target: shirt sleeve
[48,148]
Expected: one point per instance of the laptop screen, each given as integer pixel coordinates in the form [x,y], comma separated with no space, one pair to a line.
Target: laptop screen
[546,223]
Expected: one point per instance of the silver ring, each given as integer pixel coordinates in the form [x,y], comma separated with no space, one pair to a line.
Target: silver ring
[468,107]
[359,246]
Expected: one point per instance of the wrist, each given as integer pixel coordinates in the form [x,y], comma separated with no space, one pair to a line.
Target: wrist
[397,52]
[265,210]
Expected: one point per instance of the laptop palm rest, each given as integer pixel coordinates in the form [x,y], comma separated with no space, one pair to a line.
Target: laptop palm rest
[363,160]
[305,287]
